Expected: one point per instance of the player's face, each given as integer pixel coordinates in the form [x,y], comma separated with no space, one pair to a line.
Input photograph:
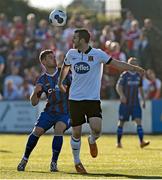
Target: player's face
[134,62]
[76,40]
[50,61]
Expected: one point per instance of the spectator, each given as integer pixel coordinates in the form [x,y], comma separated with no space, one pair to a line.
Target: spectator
[107,35]
[68,34]
[31,53]
[31,26]
[17,56]
[31,74]
[11,91]
[127,22]
[132,39]
[14,77]
[42,33]
[17,30]
[154,85]
[26,90]
[4,46]
[2,67]
[118,30]
[154,37]
[144,52]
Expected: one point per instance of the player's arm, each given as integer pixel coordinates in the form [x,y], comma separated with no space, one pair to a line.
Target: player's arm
[142,96]
[126,67]
[35,96]
[119,89]
[64,71]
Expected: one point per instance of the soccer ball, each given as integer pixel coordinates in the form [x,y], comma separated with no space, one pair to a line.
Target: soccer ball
[58,17]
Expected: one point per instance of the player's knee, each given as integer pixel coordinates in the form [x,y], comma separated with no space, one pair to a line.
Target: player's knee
[59,131]
[38,131]
[60,128]
[138,121]
[97,132]
[76,134]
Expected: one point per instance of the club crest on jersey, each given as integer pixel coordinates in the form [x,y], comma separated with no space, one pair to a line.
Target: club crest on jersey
[81,67]
[90,58]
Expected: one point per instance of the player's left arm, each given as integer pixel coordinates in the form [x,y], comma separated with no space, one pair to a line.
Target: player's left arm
[123,66]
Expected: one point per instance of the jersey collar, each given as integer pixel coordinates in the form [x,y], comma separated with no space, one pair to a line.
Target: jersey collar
[55,71]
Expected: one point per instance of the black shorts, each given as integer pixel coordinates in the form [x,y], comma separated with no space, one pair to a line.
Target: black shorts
[81,111]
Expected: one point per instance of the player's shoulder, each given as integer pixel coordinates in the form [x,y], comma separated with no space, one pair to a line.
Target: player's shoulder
[72,51]
[97,50]
[124,73]
[41,77]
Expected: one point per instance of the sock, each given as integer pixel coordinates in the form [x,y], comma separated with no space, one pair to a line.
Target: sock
[75,145]
[119,134]
[140,132]
[31,143]
[93,138]
[56,147]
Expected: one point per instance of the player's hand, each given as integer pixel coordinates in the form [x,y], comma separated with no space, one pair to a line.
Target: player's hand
[62,88]
[140,70]
[123,99]
[37,88]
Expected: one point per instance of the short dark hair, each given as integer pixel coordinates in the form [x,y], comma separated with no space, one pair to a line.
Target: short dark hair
[44,53]
[83,34]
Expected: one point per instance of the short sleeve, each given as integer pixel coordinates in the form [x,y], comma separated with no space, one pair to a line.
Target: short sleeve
[104,57]
[67,59]
[121,80]
[68,80]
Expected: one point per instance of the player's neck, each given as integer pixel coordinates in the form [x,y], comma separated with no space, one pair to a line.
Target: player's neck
[50,71]
[84,48]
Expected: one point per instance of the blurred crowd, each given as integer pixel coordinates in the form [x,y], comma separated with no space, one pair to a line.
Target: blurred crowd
[21,43]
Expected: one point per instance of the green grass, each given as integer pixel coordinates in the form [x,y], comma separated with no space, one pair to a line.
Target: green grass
[128,162]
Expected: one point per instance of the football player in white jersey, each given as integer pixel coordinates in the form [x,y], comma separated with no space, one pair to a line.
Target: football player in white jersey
[86,64]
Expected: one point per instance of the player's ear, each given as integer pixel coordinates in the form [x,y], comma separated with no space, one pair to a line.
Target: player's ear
[43,61]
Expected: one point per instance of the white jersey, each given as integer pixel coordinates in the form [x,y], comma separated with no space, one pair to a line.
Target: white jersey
[87,71]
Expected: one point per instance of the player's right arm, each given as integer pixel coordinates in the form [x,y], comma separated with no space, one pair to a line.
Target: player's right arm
[119,88]
[34,98]
[64,71]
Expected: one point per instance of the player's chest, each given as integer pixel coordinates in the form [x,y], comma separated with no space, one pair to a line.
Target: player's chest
[82,63]
[133,80]
[51,86]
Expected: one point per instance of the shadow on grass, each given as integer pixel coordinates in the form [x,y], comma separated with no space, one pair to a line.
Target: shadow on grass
[5,151]
[154,149]
[117,175]
[92,175]
[41,172]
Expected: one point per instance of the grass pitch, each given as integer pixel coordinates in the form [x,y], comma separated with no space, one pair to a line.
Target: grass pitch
[129,162]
